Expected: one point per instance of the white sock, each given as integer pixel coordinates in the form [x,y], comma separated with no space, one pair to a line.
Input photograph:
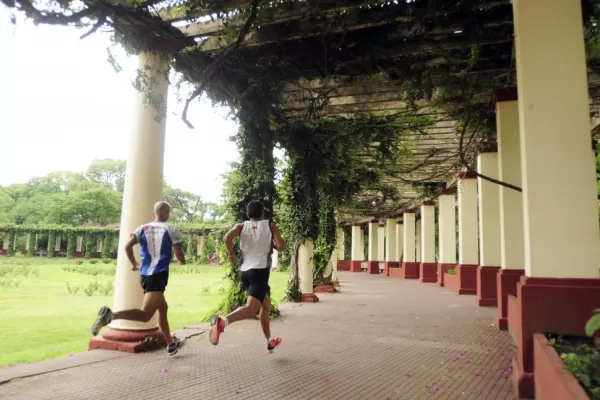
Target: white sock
[225,321]
[268,340]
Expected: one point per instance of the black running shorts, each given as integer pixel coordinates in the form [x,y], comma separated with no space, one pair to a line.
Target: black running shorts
[256,282]
[155,283]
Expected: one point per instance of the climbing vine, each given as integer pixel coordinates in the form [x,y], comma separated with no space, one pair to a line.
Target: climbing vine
[71,244]
[51,244]
[107,243]
[11,243]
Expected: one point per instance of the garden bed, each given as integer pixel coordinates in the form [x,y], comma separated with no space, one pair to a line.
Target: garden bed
[566,367]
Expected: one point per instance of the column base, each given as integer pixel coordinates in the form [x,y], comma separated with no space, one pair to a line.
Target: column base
[355,266]
[506,284]
[344,265]
[428,272]
[3,252]
[128,340]
[78,254]
[325,288]
[373,267]
[547,305]
[467,276]
[441,270]
[389,265]
[486,286]
[309,298]
[411,270]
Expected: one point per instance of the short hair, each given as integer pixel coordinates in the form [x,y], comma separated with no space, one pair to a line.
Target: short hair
[255,209]
[162,206]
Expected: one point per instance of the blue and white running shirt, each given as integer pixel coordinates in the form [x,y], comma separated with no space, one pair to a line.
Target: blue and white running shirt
[156,240]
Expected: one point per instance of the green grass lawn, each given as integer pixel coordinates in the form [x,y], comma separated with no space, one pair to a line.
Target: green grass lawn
[40,319]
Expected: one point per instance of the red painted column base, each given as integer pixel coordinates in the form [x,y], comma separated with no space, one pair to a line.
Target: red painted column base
[487,295]
[373,267]
[344,265]
[506,284]
[441,270]
[78,254]
[4,252]
[467,276]
[309,298]
[428,272]
[547,305]
[355,266]
[389,265]
[128,341]
[411,270]
[325,288]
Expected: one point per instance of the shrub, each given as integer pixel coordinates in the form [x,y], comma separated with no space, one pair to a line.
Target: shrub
[79,262]
[93,261]
[106,260]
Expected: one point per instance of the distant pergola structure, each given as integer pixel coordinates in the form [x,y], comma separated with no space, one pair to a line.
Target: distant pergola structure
[532,253]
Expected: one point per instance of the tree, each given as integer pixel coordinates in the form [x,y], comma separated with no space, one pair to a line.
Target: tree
[109,172]
[185,206]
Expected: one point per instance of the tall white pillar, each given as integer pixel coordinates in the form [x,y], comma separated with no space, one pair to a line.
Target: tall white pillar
[274,259]
[27,241]
[489,210]
[468,236]
[305,270]
[555,141]
[79,244]
[447,228]
[399,240]
[143,178]
[409,237]
[57,243]
[340,244]
[418,246]
[390,240]
[512,249]
[357,249]
[381,244]
[200,246]
[373,249]
[99,244]
[428,232]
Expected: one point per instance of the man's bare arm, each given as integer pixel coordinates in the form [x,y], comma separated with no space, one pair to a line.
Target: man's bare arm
[277,239]
[179,253]
[129,251]
[232,234]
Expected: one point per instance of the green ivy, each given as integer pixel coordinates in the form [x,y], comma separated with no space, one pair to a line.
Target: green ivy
[190,253]
[71,244]
[326,239]
[347,242]
[107,242]
[12,237]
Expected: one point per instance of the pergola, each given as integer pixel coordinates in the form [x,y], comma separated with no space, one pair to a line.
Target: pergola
[520,68]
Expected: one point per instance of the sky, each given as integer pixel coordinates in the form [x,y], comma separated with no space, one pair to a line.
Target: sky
[62,105]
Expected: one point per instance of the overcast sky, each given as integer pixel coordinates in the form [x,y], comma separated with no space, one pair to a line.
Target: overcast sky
[62,105]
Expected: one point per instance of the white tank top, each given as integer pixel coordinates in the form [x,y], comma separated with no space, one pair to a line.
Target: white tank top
[256,243]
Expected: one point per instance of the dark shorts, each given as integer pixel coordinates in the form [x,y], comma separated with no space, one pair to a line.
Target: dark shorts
[155,283]
[256,282]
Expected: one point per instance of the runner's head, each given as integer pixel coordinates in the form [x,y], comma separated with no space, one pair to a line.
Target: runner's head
[255,209]
[162,210]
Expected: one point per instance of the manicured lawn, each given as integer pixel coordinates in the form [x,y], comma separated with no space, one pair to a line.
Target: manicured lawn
[40,319]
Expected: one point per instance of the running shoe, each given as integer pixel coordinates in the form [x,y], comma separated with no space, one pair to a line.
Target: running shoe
[174,347]
[218,326]
[271,344]
[105,317]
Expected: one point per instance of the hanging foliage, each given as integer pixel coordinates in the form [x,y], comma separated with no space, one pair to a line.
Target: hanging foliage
[51,243]
[12,237]
[107,242]
[71,244]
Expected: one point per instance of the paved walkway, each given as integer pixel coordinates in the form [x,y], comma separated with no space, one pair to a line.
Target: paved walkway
[380,338]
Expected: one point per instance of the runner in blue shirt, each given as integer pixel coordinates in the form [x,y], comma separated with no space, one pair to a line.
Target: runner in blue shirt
[157,240]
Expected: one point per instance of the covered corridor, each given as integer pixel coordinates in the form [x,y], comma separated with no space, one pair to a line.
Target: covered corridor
[376,339]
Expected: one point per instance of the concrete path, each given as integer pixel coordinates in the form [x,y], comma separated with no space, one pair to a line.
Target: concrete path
[380,338]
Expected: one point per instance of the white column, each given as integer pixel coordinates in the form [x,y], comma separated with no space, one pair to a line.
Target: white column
[512,250]
[373,240]
[5,242]
[143,179]
[274,259]
[381,243]
[357,248]
[557,163]
[305,266]
[447,228]
[418,247]
[489,210]
[340,244]
[390,240]
[57,243]
[200,245]
[362,244]
[79,244]
[428,233]
[99,244]
[468,236]
[27,241]
[399,240]
[409,237]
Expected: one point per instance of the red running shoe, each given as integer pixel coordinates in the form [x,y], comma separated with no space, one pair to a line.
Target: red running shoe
[218,326]
[272,344]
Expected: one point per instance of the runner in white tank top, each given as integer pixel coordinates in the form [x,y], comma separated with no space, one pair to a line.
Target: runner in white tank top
[257,237]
